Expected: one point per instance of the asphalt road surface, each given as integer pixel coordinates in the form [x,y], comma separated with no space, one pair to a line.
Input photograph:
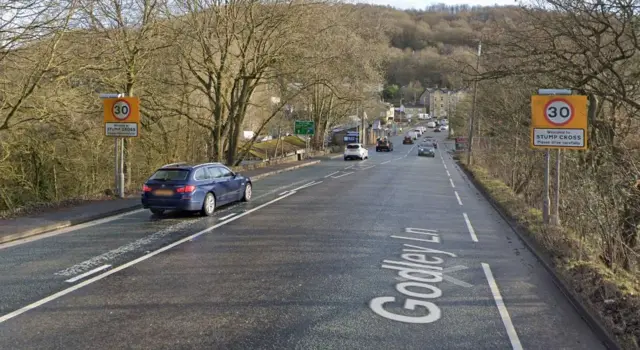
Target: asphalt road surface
[395,252]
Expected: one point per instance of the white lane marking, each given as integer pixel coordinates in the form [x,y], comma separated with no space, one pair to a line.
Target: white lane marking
[227,216]
[369,167]
[504,314]
[283,193]
[398,158]
[472,232]
[88,273]
[349,167]
[345,174]
[452,185]
[445,166]
[130,263]
[333,173]
[448,174]
[458,197]
[118,216]
[312,183]
[386,162]
[112,254]
[68,229]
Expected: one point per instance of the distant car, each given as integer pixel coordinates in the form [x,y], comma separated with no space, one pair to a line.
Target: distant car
[444,127]
[431,124]
[426,150]
[384,145]
[194,187]
[355,151]
[408,140]
[437,130]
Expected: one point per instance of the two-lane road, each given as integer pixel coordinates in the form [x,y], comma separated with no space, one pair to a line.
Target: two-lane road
[396,252]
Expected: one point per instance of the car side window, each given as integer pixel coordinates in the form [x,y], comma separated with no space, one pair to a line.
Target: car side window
[201,174]
[215,172]
[225,171]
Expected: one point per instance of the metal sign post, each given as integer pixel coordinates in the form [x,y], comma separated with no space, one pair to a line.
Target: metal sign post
[560,123]
[121,119]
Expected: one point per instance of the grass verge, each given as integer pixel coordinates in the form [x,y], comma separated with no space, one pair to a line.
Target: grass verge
[612,299]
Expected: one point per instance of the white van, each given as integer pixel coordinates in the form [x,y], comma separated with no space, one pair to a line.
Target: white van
[413,134]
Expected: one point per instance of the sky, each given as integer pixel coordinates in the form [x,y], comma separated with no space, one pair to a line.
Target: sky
[419,4]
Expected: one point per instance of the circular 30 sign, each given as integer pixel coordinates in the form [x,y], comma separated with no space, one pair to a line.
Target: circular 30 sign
[558,111]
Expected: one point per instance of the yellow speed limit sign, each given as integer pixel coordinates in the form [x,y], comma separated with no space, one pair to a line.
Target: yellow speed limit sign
[559,122]
[122,116]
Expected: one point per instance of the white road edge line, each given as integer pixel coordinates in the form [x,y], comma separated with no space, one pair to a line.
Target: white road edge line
[68,229]
[312,183]
[385,162]
[345,174]
[472,232]
[452,185]
[458,197]
[227,216]
[502,309]
[333,173]
[131,263]
[91,272]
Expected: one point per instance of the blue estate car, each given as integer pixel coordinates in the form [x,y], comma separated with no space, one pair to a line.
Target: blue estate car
[194,187]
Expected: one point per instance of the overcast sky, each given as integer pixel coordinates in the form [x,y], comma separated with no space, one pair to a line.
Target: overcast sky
[419,4]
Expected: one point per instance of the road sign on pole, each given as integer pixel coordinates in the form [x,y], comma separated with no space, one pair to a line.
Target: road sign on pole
[304,127]
[559,122]
[122,116]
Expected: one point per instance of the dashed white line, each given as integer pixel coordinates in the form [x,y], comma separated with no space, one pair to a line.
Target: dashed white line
[448,174]
[88,273]
[326,176]
[386,162]
[283,193]
[345,174]
[502,309]
[445,166]
[458,197]
[349,167]
[398,158]
[369,167]
[472,232]
[230,215]
[130,263]
[451,181]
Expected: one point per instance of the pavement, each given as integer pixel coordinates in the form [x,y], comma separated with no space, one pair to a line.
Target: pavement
[394,252]
[50,220]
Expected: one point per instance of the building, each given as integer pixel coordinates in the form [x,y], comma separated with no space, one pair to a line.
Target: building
[441,102]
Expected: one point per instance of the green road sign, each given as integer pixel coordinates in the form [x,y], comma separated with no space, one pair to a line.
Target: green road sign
[304,127]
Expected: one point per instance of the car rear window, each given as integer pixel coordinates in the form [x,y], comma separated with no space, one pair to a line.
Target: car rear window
[353,146]
[170,175]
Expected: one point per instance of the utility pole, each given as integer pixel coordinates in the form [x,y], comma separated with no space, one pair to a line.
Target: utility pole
[473,106]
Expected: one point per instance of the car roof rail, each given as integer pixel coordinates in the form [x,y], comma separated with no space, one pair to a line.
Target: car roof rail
[174,164]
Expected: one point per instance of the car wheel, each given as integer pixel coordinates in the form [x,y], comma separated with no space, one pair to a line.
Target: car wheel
[157,212]
[346,159]
[248,192]
[209,205]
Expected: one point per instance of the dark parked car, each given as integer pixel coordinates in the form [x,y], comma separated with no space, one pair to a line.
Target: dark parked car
[407,140]
[384,145]
[194,187]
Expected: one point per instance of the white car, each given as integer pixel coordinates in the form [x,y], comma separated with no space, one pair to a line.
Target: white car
[355,151]
[431,124]
[444,127]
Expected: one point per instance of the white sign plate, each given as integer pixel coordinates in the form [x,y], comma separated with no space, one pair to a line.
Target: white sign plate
[121,129]
[558,137]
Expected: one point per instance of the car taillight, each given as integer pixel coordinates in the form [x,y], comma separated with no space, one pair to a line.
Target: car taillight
[186,189]
[146,188]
